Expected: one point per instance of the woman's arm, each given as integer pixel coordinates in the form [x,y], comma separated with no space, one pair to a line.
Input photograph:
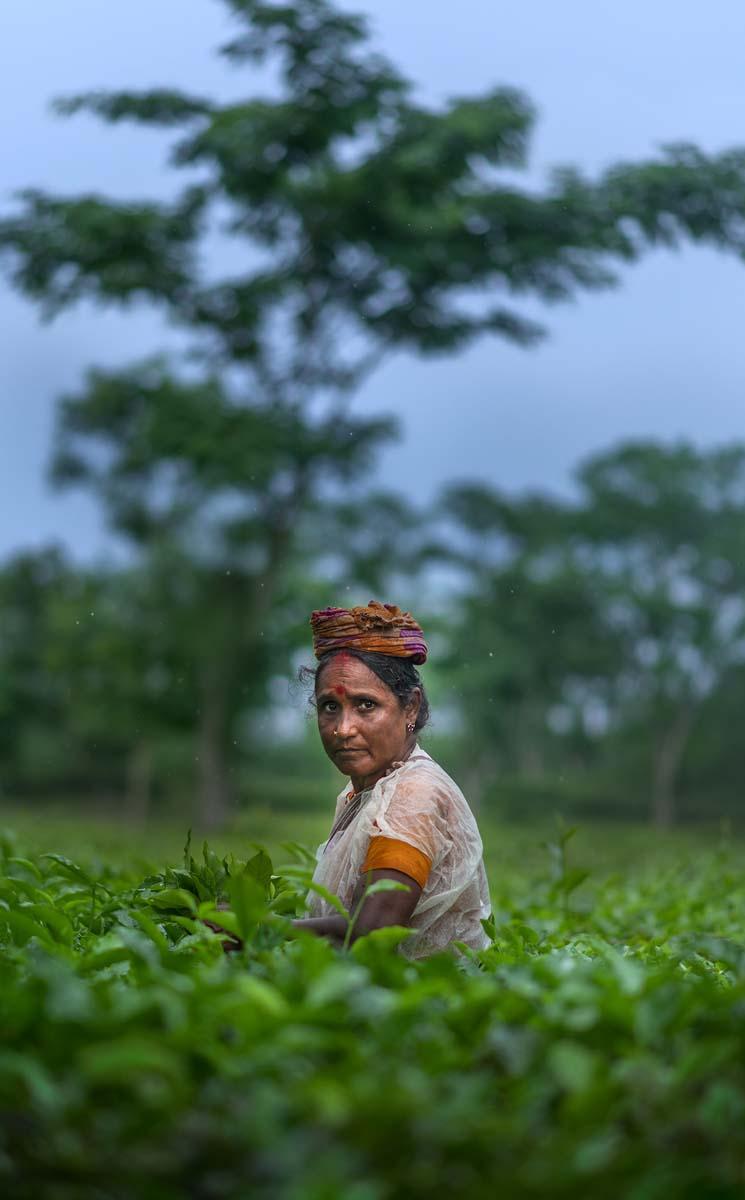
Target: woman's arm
[378,910]
[386,908]
[332,928]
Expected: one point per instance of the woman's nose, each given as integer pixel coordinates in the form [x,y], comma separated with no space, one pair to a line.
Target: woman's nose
[346,726]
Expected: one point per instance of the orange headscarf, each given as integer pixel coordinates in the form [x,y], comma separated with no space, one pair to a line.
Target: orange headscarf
[377,628]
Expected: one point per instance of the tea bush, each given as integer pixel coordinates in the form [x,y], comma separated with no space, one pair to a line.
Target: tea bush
[596,1049]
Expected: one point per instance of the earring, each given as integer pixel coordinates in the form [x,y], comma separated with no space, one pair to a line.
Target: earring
[410,727]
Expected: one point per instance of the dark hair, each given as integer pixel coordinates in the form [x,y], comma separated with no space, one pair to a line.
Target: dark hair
[398,674]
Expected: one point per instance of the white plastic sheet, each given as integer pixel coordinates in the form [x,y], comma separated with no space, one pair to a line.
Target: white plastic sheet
[415,802]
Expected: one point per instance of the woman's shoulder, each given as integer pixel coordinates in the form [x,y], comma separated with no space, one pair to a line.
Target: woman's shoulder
[421,798]
[422,763]
[422,773]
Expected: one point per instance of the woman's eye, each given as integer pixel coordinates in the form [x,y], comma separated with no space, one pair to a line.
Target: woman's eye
[328,705]
[367,705]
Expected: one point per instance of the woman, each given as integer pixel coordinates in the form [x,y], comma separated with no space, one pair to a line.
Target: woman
[402,817]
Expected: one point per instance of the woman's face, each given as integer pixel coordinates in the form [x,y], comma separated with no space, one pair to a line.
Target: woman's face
[361,721]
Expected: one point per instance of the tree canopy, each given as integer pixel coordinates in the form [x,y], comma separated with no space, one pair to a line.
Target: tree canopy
[359,221]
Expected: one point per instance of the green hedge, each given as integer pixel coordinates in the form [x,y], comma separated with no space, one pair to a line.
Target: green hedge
[597,1049]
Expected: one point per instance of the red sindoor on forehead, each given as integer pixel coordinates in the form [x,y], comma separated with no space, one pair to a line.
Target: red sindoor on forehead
[340,691]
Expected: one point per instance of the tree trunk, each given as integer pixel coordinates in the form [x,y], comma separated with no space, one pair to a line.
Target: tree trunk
[667,760]
[239,621]
[213,800]
[139,782]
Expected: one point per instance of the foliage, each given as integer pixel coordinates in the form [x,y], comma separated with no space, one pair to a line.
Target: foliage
[29,700]
[659,529]
[586,654]
[599,632]
[595,1049]
[357,221]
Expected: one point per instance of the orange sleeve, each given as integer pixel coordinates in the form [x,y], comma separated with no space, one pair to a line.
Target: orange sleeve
[390,854]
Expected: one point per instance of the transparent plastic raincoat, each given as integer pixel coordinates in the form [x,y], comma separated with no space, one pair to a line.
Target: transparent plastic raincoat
[418,803]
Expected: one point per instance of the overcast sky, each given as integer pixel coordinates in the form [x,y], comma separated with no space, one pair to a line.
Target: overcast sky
[662,356]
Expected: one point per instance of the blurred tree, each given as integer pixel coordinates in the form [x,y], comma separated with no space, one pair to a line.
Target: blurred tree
[529,635]
[371,541]
[93,675]
[711,772]
[663,527]
[31,699]
[216,486]
[357,221]
[621,612]
[116,640]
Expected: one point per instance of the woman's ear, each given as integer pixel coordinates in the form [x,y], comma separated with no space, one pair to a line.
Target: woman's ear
[413,706]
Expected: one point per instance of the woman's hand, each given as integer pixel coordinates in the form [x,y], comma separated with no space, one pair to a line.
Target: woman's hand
[232,942]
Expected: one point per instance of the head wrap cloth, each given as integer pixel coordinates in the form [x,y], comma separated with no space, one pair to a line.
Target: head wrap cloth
[376,628]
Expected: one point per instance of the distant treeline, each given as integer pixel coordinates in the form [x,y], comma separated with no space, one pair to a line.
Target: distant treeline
[588,656]
[585,655]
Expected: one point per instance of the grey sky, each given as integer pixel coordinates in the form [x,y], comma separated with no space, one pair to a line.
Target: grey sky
[662,356]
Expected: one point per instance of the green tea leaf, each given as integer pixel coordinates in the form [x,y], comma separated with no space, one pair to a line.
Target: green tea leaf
[174,898]
[248,902]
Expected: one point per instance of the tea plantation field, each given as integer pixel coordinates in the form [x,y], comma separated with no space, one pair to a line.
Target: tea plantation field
[597,1049]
